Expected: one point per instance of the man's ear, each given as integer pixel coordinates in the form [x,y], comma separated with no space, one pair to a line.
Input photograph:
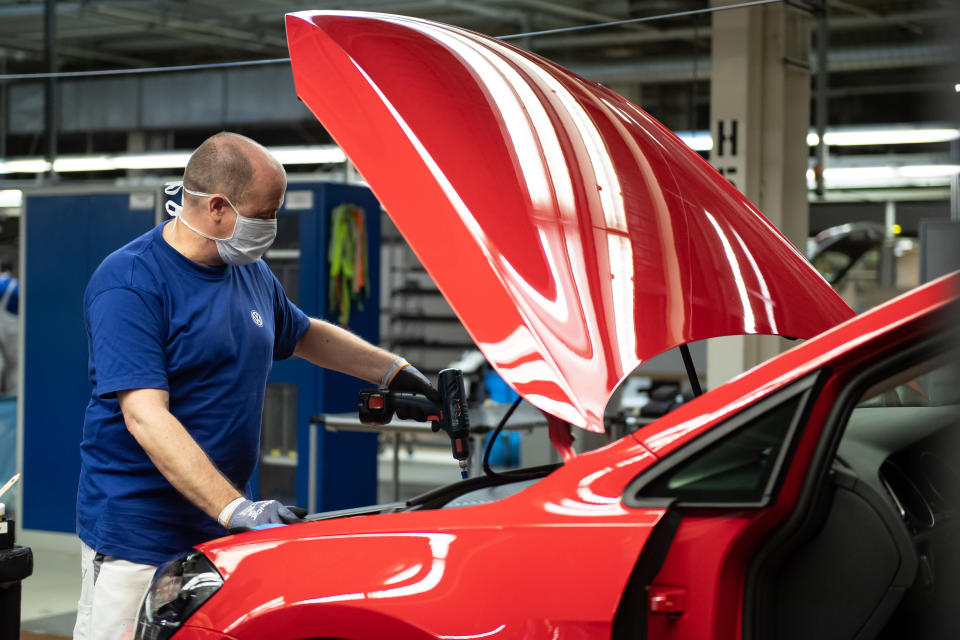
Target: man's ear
[217,206]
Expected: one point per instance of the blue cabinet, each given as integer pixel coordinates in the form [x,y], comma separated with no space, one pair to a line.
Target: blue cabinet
[64,236]
[345,473]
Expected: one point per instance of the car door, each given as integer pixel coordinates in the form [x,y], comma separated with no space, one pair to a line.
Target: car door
[747,493]
[871,550]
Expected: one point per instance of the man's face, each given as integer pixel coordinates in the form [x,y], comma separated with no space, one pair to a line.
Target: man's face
[265,197]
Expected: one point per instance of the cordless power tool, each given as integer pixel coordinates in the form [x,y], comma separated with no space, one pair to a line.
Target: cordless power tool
[378,406]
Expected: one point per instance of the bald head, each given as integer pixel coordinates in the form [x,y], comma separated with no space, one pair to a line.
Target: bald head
[233,165]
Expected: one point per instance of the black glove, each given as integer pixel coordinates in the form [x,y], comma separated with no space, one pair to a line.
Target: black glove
[409,379]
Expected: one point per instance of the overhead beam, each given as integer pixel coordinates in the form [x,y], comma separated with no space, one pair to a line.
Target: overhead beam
[551,8]
[841,60]
[575,13]
[94,8]
[607,38]
[594,39]
[870,13]
[481,9]
[197,31]
[37,47]
[36,9]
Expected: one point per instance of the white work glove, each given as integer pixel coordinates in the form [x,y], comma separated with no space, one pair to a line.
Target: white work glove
[247,515]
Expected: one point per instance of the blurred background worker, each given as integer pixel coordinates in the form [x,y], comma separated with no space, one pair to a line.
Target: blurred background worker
[9,330]
[183,324]
[9,336]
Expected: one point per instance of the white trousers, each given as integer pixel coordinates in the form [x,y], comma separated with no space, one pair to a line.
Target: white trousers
[110,593]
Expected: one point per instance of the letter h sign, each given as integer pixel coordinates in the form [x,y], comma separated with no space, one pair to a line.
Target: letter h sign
[727,159]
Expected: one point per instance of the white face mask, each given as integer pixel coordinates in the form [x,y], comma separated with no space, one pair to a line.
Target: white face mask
[250,239]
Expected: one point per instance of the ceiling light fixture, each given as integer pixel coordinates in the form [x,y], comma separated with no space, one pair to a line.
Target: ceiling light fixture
[165,160]
[68,164]
[330,154]
[11,197]
[24,165]
[849,137]
[326,154]
[934,175]
[861,136]
[697,140]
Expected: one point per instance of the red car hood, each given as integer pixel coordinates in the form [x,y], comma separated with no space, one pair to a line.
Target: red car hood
[574,235]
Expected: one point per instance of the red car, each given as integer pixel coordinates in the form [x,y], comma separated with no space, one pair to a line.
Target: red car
[815,496]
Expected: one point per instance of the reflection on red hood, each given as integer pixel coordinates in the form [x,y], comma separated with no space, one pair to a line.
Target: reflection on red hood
[574,235]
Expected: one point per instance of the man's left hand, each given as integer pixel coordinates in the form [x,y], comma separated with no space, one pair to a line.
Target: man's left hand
[249,515]
[408,378]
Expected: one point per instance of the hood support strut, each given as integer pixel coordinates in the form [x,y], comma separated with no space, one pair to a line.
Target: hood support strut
[691,372]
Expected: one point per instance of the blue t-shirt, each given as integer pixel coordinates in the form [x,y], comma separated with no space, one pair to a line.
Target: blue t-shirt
[207,335]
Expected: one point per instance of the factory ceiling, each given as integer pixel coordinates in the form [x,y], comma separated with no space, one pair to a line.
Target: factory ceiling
[890,60]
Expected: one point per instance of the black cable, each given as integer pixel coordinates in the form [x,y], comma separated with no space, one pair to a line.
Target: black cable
[493,436]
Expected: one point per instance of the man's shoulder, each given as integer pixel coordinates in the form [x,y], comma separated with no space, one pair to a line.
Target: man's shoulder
[130,266]
[260,272]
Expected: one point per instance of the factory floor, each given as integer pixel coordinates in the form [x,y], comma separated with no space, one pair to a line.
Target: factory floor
[49,597]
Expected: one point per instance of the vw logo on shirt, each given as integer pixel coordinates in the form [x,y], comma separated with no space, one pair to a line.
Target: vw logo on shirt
[257,320]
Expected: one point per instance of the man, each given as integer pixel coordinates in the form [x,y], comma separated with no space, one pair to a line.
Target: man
[183,324]
[9,330]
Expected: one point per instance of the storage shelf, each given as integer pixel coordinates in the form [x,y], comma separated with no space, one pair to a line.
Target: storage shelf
[424,317]
[415,291]
[279,461]
[431,344]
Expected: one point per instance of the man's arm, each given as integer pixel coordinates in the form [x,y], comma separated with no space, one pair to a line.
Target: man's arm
[331,347]
[174,451]
[328,346]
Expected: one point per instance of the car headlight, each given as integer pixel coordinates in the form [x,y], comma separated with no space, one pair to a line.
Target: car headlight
[178,589]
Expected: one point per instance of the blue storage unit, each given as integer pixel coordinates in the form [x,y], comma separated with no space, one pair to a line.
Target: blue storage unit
[346,463]
[66,235]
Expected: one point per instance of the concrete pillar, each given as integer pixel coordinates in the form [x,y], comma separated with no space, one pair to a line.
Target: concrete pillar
[3,105]
[888,258]
[955,180]
[760,114]
[136,143]
[350,173]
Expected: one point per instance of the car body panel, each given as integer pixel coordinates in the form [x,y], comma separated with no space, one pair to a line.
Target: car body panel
[191,632]
[712,551]
[405,573]
[574,236]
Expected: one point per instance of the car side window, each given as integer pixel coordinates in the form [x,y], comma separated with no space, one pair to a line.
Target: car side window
[740,466]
